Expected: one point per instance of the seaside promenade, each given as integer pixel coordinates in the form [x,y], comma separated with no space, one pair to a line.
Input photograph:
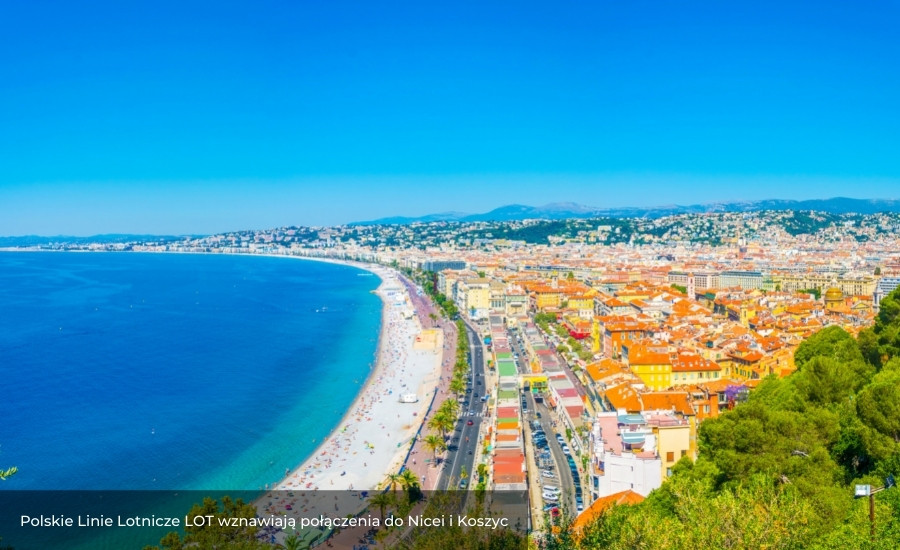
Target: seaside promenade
[373,438]
[427,472]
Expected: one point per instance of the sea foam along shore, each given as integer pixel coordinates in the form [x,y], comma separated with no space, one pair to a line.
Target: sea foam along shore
[374,435]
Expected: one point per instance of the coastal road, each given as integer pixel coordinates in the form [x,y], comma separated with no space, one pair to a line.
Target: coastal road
[563,478]
[466,451]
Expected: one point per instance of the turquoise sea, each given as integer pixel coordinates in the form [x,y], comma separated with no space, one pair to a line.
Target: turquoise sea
[175,371]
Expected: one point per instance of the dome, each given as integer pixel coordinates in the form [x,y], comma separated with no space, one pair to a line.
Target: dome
[833,294]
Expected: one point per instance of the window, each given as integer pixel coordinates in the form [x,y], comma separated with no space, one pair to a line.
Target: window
[670,456]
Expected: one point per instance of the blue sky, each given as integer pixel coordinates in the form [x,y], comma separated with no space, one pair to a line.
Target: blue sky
[181,117]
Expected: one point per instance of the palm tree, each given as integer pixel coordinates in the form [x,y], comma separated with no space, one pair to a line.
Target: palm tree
[393,480]
[435,443]
[451,407]
[441,421]
[381,501]
[409,480]
[293,542]
[457,385]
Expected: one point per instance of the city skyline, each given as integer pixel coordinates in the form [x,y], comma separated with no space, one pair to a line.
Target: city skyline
[188,120]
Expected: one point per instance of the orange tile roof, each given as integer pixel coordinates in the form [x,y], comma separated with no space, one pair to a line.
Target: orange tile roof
[602,504]
[667,401]
[642,356]
[623,398]
[685,362]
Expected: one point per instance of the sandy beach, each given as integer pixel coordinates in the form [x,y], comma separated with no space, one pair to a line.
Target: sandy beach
[374,436]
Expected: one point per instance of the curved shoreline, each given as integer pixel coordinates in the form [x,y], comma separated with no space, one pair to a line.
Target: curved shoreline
[398,368]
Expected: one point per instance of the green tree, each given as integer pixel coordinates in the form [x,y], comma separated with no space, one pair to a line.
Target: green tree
[381,501]
[887,325]
[293,542]
[878,404]
[441,422]
[817,293]
[436,444]
[393,480]
[216,534]
[450,407]
[824,380]
[482,470]
[457,386]
[868,346]
[832,342]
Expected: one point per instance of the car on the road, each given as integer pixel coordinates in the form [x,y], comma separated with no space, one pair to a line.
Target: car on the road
[463,483]
[469,423]
[560,439]
[550,497]
[545,473]
[566,450]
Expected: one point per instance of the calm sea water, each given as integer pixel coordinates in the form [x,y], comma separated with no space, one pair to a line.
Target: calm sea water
[159,371]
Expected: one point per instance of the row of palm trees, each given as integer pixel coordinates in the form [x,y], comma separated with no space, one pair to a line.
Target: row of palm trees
[407,480]
[442,422]
[444,419]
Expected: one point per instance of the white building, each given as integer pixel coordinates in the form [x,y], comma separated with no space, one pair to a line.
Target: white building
[622,457]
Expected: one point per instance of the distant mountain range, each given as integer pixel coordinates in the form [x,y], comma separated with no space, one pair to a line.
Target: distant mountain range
[38,240]
[569,210]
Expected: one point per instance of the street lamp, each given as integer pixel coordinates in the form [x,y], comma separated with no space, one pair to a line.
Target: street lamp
[867,491]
